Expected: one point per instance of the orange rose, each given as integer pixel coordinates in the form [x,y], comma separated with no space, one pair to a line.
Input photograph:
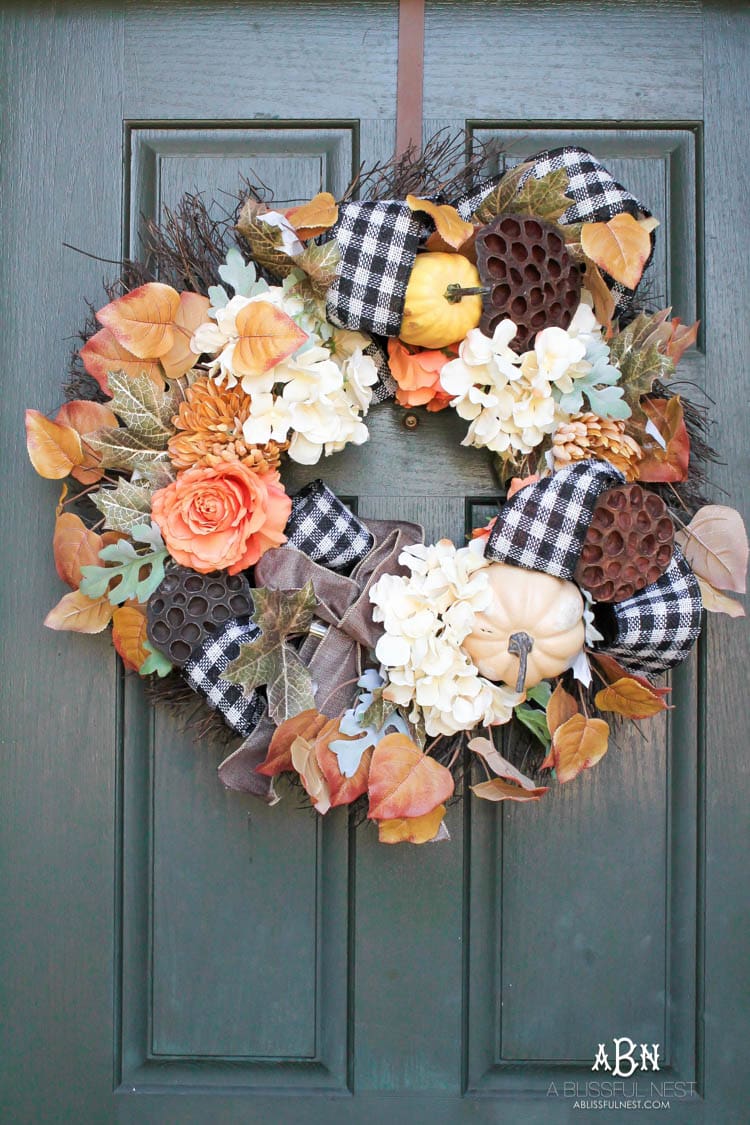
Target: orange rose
[222,518]
[417,372]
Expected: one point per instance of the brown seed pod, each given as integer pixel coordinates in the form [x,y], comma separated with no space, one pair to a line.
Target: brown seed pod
[533,280]
[188,606]
[628,545]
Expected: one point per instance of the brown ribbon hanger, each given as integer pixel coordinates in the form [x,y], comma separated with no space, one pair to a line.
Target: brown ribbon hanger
[335,660]
[410,80]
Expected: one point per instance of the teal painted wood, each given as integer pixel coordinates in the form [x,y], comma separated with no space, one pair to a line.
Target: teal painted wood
[210,960]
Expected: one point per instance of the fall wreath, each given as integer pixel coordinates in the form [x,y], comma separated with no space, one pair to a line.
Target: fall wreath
[365,665]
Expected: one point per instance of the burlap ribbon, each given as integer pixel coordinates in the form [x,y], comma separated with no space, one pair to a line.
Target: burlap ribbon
[335,660]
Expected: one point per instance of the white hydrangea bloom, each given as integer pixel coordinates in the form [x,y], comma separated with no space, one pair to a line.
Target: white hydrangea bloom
[426,617]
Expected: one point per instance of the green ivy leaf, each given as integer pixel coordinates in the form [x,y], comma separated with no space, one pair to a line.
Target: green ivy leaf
[125,505]
[269,660]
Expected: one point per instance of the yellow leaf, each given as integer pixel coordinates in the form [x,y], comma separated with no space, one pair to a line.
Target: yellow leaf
[411,829]
[631,698]
[499,790]
[448,223]
[604,302]
[561,706]
[129,635]
[649,223]
[311,219]
[620,247]
[266,337]
[54,450]
[716,602]
[74,546]
[143,320]
[578,744]
[102,354]
[79,614]
[190,315]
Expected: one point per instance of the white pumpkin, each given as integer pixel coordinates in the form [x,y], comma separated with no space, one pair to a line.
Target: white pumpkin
[547,611]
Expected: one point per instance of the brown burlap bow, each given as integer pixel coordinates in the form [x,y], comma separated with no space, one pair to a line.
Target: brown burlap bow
[335,660]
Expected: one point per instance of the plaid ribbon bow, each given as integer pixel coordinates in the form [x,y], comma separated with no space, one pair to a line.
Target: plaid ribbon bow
[379,241]
[329,533]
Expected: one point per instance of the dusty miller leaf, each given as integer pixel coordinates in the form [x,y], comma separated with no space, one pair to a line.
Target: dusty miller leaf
[126,505]
[270,660]
[241,276]
[144,409]
[155,662]
[127,565]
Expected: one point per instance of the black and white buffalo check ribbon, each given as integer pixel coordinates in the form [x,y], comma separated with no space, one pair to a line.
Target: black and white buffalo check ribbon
[330,534]
[379,241]
[543,526]
[657,627]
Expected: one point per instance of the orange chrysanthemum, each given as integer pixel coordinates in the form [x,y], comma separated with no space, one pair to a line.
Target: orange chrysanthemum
[210,422]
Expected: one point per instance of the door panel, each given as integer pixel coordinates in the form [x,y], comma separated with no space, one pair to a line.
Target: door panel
[208,958]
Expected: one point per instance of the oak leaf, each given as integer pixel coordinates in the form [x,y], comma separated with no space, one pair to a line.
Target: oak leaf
[77,613]
[670,461]
[278,758]
[621,247]
[143,320]
[715,545]
[269,660]
[192,312]
[312,218]
[102,354]
[129,636]
[54,449]
[561,706]
[413,829]
[74,546]
[266,337]
[498,790]
[448,223]
[632,698]
[577,744]
[405,782]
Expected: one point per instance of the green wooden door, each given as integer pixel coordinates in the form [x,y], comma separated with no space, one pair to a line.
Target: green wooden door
[175,953]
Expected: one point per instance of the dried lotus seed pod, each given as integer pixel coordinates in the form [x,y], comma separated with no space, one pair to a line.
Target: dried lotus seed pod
[187,607]
[628,545]
[532,278]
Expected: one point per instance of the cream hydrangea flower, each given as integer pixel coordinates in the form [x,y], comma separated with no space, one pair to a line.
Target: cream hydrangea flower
[426,616]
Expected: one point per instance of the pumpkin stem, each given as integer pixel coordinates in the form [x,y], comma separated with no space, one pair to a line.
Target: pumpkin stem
[520,645]
[455,292]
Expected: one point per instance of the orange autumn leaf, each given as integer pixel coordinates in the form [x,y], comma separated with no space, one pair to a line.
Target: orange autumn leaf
[620,247]
[497,789]
[279,757]
[102,354]
[437,244]
[143,320]
[448,223]
[312,218]
[54,450]
[604,301]
[405,782]
[192,312]
[305,762]
[631,698]
[661,464]
[561,706]
[129,635]
[84,417]
[715,545]
[266,337]
[577,744]
[611,672]
[517,483]
[682,337]
[74,546]
[342,790]
[412,829]
[79,614]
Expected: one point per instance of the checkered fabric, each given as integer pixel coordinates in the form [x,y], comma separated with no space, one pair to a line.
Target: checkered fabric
[204,672]
[597,197]
[544,525]
[659,625]
[378,244]
[325,529]
[386,385]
